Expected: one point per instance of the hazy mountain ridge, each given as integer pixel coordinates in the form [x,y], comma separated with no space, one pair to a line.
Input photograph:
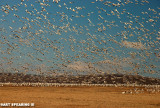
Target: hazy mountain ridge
[81,79]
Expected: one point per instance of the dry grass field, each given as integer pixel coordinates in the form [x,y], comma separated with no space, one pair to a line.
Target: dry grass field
[79,97]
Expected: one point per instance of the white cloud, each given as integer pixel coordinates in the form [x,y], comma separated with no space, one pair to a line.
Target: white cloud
[104,66]
[80,66]
[136,45]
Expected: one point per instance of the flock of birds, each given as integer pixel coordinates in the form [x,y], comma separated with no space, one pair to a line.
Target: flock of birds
[134,89]
[146,89]
[80,37]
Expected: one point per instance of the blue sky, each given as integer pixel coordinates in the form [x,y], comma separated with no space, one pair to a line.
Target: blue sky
[69,36]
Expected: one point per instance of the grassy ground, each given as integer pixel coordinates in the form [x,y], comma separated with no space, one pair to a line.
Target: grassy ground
[78,97]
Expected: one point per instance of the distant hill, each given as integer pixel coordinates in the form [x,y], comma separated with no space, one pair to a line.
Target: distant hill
[81,79]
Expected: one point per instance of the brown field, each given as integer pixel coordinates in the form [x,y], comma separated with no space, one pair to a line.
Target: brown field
[79,97]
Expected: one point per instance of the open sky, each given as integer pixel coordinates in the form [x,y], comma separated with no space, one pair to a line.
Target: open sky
[80,36]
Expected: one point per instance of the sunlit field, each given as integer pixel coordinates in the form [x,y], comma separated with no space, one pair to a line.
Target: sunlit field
[81,97]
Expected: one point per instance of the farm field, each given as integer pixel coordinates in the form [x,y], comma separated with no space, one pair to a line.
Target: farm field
[78,97]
